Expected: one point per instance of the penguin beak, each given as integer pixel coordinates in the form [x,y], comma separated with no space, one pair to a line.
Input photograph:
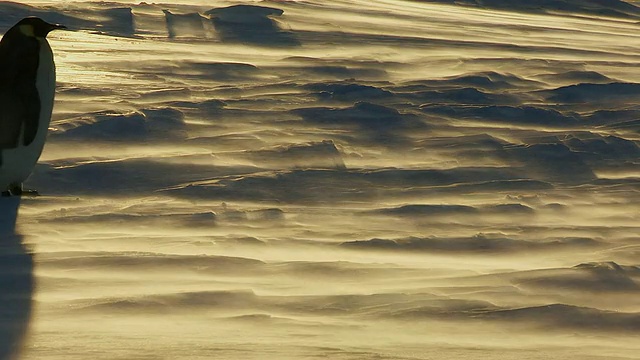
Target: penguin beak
[58,27]
[51,27]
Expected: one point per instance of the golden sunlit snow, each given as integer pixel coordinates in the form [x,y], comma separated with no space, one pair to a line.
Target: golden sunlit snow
[331,179]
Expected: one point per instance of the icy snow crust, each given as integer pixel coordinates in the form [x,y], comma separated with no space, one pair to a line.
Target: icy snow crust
[331,179]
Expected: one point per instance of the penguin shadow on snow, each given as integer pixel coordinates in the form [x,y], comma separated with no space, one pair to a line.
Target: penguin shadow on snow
[16,281]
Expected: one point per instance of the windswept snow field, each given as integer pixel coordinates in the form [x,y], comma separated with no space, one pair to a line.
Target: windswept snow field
[331,179]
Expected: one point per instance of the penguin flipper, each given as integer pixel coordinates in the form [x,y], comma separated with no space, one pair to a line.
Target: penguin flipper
[11,119]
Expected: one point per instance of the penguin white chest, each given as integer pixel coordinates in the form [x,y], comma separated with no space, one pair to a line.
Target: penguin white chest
[18,163]
[46,85]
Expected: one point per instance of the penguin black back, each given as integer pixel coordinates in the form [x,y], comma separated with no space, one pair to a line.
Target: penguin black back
[19,98]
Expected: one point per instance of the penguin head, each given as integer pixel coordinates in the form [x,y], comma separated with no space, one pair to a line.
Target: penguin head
[36,27]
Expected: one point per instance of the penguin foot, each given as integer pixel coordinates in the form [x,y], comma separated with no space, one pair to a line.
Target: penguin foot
[17,190]
[31,193]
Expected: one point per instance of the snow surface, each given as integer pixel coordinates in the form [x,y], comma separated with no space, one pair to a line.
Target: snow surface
[331,179]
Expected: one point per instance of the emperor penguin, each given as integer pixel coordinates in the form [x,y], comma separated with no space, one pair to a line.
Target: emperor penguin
[27,88]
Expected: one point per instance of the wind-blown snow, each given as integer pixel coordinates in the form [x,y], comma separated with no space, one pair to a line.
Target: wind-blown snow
[331,179]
